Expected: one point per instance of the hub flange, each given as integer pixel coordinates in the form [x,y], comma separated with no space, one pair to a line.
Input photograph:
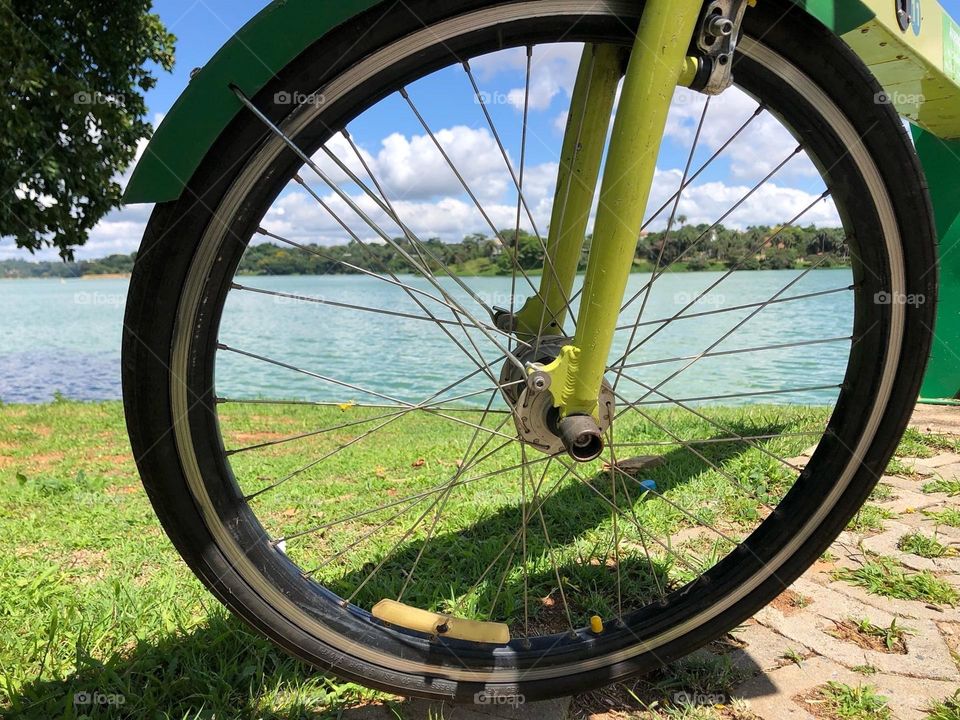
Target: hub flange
[536,416]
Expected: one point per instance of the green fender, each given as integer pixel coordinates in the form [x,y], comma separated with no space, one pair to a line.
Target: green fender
[252,56]
[269,42]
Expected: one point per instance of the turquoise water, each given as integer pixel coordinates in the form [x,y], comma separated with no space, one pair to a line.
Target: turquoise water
[64,337]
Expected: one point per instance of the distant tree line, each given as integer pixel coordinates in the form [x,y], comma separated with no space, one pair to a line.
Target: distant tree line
[688,247]
[110,265]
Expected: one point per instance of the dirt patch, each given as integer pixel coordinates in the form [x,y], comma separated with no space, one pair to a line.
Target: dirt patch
[817,702]
[114,459]
[951,636]
[43,461]
[123,490]
[942,420]
[91,564]
[851,632]
[549,619]
[789,602]
[726,644]
[255,438]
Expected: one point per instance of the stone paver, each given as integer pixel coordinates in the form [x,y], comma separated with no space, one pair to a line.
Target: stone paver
[908,697]
[927,653]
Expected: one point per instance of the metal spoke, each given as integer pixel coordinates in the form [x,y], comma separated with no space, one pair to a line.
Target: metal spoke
[636,521]
[690,448]
[510,544]
[738,351]
[727,274]
[712,441]
[450,302]
[663,244]
[363,308]
[682,510]
[350,405]
[643,541]
[453,168]
[356,268]
[556,569]
[393,212]
[370,432]
[313,433]
[374,226]
[734,308]
[402,501]
[736,396]
[614,522]
[736,327]
[706,165]
[411,292]
[548,261]
[717,223]
[523,167]
[446,494]
[421,249]
[428,407]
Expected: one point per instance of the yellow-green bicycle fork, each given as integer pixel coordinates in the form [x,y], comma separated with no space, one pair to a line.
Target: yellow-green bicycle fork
[657,64]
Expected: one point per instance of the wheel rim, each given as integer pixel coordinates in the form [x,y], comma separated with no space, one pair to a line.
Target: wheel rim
[182,400]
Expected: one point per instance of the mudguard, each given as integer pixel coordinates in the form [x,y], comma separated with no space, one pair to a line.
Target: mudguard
[269,42]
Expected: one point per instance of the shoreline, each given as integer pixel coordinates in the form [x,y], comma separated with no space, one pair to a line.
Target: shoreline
[531,273]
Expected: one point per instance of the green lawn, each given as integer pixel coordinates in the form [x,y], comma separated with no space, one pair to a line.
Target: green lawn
[97,601]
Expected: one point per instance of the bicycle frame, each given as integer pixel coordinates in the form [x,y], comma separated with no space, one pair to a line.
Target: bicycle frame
[912,46]
[657,62]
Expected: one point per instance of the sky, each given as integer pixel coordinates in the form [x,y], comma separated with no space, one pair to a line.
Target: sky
[428,195]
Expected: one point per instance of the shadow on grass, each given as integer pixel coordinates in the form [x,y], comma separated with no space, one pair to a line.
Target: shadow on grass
[574,516]
[218,669]
[221,669]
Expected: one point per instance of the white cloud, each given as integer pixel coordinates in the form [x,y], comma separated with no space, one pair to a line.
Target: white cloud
[413,168]
[706,202]
[757,151]
[553,70]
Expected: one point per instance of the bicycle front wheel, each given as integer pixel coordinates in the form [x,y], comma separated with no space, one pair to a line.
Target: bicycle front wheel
[340,458]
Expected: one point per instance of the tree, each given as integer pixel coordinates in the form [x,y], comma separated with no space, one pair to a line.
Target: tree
[72,78]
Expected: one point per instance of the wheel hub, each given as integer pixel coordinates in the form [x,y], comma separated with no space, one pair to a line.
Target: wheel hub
[534,413]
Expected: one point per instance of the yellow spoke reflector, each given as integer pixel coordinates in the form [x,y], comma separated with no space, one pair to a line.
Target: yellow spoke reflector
[430,623]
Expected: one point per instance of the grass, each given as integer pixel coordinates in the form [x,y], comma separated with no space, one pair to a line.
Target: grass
[916,444]
[97,601]
[793,656]
[883,576]
[897,467]
[881,493]
[947,516]
[925,546]
[869,518]
[891,639]
[950,486]
[947,709]
[851,703]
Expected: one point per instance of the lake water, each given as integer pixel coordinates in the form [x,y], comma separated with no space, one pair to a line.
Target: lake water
[64,337]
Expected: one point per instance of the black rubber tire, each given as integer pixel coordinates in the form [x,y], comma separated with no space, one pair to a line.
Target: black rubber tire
[169,247]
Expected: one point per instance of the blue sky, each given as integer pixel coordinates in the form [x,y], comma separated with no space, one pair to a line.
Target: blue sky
[400,151]
[202,26]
